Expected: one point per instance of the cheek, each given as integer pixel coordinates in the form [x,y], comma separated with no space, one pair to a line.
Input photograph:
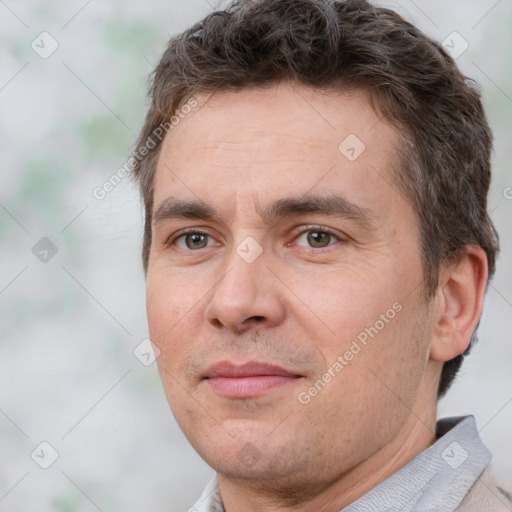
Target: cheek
[160,310]
[393,362]
[374,324]
[169,302]
[167,314]
[167,332]
[336,307]
[375,390]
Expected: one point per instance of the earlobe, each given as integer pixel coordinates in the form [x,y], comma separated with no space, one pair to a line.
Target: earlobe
[459,303]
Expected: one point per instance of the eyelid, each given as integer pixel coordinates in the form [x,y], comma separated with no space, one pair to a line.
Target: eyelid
[304,229]
[171,240]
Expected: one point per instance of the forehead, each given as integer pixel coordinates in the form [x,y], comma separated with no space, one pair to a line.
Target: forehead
[263,142]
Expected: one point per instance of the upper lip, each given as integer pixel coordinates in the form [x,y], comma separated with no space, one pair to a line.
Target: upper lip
[249,369]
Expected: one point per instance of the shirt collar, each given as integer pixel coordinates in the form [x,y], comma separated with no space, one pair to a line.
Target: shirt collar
[435,480]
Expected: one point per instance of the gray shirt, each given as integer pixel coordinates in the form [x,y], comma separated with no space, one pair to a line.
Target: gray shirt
[437,480]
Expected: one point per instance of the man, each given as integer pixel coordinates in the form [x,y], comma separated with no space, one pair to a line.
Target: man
[317,250]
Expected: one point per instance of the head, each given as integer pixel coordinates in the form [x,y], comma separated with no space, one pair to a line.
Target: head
[340,117]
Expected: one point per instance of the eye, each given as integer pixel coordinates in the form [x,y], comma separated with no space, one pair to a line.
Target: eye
[318,238]
[190,240]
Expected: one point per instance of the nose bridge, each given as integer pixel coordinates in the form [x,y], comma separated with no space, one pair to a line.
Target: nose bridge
[245,293]
[238,283]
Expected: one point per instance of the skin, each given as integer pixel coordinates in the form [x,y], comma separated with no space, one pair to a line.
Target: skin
[300,304]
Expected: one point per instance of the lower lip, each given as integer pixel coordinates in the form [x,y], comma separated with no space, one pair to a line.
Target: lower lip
[244,387]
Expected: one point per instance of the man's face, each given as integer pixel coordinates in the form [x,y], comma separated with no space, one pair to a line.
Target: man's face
[330,297]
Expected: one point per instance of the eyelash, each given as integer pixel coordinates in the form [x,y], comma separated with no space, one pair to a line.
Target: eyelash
[173,239]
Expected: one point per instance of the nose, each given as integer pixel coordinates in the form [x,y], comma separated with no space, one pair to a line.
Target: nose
[248,295]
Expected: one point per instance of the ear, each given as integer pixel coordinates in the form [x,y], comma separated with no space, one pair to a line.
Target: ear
[459,300]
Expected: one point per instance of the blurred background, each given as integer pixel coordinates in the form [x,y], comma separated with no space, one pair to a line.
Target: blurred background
[84,422]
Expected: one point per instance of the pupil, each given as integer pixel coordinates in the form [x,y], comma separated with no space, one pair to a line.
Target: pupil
[316,237]
[195,240]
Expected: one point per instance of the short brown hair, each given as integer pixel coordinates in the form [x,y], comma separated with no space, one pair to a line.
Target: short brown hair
[339,45]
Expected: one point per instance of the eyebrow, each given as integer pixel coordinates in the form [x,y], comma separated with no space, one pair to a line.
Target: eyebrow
[328,205]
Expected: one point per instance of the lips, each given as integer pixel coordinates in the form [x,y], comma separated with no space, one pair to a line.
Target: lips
[247,380]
